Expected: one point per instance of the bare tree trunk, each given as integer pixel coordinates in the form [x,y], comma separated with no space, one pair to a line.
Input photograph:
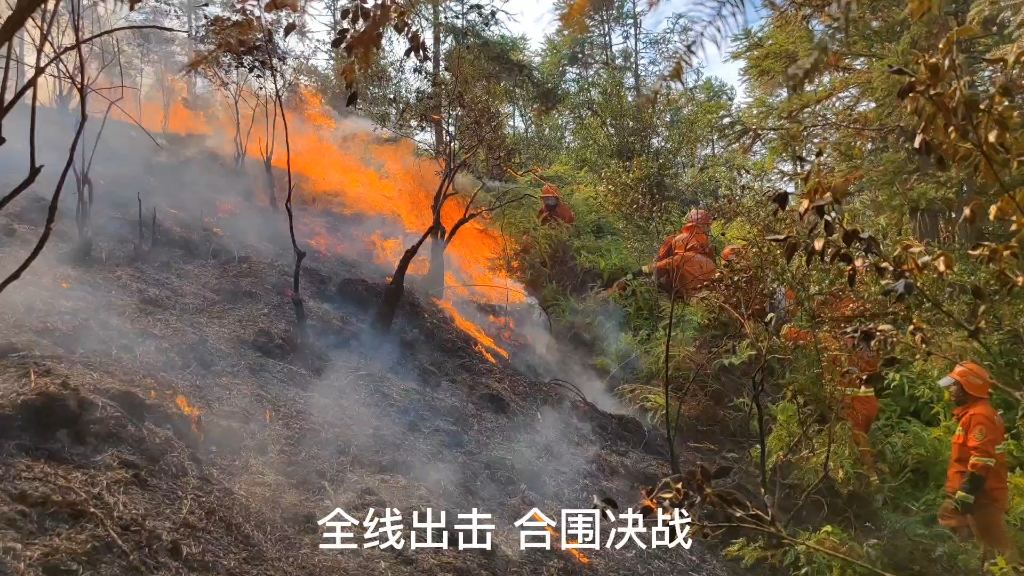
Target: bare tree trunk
[3,83]
[166,96]
[15,21]
[385,317]
[268,156]
[22,66]
[637,30]
[436,74]
[926,223]
[435,282]
[190,82]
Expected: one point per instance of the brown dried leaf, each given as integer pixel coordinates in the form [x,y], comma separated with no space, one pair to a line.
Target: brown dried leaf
[791,249]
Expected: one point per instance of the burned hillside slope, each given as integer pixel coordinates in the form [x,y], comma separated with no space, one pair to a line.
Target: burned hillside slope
[159,416]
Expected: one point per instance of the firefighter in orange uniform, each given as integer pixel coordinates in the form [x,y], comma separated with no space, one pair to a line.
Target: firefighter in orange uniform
[860,404]
[977,494]
[554,210]
[692,238]
[856,371]
[684,263]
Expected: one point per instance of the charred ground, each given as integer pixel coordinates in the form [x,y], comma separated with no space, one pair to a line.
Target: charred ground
[102,472]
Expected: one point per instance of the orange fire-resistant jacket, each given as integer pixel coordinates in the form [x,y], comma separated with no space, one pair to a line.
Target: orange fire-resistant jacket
[860,405]
[692,238]
[684,273]
[561,213]
[978,448]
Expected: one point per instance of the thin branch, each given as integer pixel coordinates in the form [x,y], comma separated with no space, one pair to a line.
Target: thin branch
[798,542]
[30,83]
[51,214]
[674,463]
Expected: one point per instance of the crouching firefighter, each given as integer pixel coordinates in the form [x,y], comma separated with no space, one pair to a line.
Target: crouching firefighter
[977,494]
[692,238]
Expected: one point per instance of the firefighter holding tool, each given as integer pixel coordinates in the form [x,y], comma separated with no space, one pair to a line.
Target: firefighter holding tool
[977,494]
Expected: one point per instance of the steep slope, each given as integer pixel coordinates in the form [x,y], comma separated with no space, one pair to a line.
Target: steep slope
[158,417]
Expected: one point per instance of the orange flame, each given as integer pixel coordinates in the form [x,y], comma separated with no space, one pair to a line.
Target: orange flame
[470,328]
[188,411]
[483,352]
[343,166]
[579,555]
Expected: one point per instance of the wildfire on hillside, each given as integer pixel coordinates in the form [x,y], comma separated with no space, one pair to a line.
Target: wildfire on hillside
[343,167]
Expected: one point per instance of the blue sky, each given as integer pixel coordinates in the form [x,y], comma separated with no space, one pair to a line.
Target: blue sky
[535,19]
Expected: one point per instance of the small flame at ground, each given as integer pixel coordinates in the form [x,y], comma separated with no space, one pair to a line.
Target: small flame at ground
[191,411]
[484,353]
[579,555]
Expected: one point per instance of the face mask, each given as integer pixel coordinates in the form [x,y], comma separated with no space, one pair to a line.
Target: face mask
[551,202]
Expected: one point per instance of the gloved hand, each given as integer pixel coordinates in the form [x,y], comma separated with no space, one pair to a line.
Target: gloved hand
[964,497]
[964,502]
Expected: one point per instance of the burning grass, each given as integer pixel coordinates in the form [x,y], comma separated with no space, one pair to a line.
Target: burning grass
[141,492]
[472,329]
[554,534]
[342,166]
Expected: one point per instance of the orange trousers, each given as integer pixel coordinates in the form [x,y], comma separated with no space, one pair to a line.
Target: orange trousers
[861,412]
[989,528]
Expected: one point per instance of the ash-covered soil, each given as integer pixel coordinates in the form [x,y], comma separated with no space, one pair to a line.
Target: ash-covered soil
[103,472]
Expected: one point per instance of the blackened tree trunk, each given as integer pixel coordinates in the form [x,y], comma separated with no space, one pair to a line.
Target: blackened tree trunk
[268,169]
[435,283]
[385,317]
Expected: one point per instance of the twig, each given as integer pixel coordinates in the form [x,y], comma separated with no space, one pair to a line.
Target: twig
[139,198]
[102,520]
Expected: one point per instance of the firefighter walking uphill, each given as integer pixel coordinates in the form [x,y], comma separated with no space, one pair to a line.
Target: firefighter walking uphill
[977,493]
